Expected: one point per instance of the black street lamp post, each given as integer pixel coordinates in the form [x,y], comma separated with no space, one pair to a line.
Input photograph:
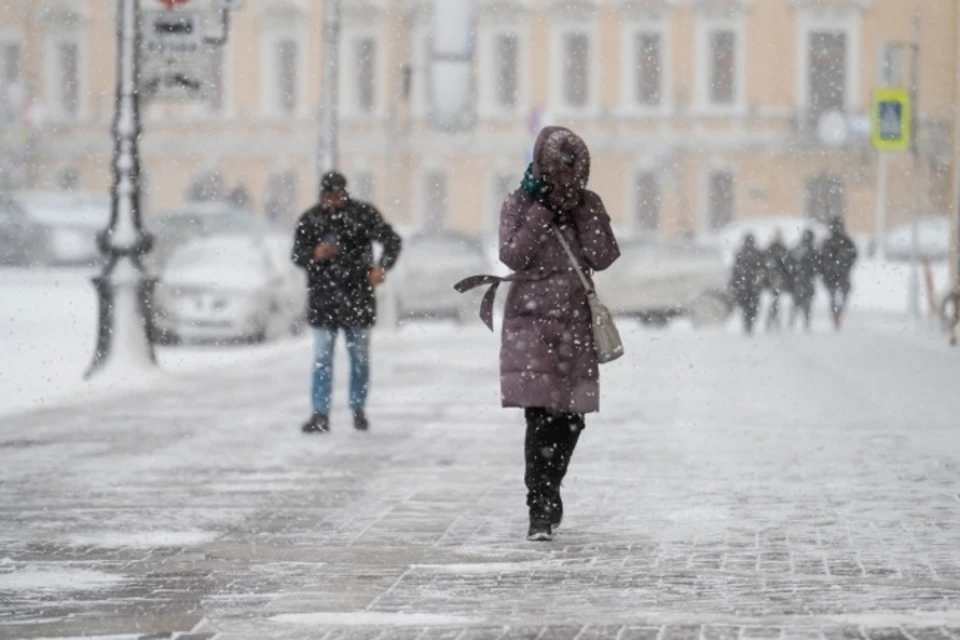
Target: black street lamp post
[124,289]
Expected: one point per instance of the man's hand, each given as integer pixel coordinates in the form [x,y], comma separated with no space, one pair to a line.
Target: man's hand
[378,275]
[326,251]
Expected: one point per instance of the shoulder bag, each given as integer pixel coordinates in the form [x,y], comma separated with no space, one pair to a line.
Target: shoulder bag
[606,337]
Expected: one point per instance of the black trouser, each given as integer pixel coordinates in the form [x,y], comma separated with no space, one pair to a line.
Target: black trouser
[801,306]
[750,303]
[838,299]
[773,314]
[551,438]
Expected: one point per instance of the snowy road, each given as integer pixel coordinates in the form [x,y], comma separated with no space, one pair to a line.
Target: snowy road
[780,487]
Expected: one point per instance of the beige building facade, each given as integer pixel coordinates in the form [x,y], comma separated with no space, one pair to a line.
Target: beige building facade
[697,112]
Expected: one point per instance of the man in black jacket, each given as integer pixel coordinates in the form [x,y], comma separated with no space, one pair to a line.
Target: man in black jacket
[747,279]
[837,257]
[333,243]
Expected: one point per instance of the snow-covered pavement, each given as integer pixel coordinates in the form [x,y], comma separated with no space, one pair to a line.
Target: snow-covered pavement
[782,487]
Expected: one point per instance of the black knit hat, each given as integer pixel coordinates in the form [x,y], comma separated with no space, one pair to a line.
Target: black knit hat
[333,181]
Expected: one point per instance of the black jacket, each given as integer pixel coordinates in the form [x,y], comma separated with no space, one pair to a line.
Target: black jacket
[777,267]
[837,257]
[804,267]
[340,292]
[749,273]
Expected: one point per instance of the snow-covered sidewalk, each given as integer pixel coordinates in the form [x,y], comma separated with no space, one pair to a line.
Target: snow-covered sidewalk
[775,487]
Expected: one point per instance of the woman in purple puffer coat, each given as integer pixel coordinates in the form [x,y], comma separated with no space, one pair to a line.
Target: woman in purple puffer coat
[548,365]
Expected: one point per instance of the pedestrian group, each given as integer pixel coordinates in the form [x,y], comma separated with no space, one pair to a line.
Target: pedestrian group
[780,270]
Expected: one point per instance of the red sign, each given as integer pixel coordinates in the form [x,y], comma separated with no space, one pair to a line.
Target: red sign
[172,3]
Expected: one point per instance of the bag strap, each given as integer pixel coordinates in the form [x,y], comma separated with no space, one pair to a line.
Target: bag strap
[573,260]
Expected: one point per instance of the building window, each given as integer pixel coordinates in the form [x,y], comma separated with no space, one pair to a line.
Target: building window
[507,65]
[435,200]
[576,69]
[11,97]
[64,77]
[720,199]
[365,67]
[826,73]
[722,81]
[365,186]
[647,201]
[419,74]
[825,197]
[286,72]
[891,65]
[648,69]
[213,90]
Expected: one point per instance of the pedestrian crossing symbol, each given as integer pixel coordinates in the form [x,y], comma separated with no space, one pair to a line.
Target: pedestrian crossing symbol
[890,120]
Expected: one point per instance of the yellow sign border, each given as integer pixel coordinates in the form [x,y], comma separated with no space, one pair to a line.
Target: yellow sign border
[891,95]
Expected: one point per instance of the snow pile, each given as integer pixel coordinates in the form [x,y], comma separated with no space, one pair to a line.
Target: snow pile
[369,618]
[57,580]
[142,539]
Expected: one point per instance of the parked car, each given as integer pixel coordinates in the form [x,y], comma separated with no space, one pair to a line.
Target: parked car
[172,229]
[23,241]
[933,236]
[656,280]
[421,285]
[71,223]
[729,238]
[232,287]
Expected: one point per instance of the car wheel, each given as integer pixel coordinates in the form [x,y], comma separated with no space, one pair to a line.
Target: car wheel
[710,308]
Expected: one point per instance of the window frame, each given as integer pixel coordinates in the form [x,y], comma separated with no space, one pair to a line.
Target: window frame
[706,25]
[53,88]
[490,106]
[349,65]
[420,65]
[270,100]
[810,22]
[558,34]
[706,218]
[631,29]
[12,38]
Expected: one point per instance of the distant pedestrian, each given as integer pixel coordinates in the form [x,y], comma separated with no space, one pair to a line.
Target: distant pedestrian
[747,280]
[837,257]
[548,365]
[777,277]
[950,313]
[803,263]
[333,243]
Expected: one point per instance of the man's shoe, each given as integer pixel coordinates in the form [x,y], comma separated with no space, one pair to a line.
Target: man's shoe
[540,530]
[360,422]
[318,423]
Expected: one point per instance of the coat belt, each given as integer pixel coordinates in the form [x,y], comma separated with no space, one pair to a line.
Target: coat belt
[493,284]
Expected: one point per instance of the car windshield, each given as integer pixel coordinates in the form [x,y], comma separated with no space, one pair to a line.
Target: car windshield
[188,223]
[239,256]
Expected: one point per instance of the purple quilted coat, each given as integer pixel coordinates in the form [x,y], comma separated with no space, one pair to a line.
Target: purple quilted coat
[547,358]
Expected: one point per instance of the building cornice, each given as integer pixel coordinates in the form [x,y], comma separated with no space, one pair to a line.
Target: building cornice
[830,6]
[63,14]
[282,13]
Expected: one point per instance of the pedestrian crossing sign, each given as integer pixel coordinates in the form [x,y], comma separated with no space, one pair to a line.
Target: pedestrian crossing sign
[890,120]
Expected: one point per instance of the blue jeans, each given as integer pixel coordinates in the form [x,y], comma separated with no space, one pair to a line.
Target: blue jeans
[358,346]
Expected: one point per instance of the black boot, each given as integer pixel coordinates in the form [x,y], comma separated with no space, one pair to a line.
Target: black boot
[360,422]
[540,529]
[318,423]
